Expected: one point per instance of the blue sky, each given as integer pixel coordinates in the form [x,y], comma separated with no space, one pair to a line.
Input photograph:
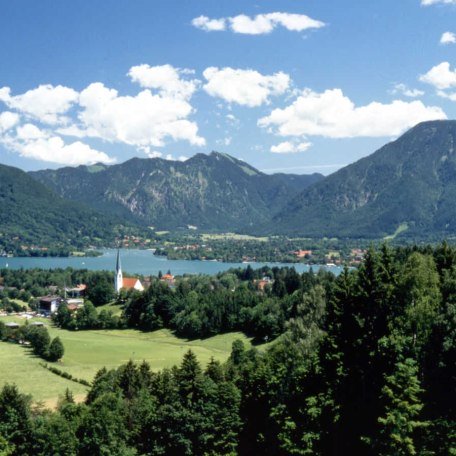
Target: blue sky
[296,86]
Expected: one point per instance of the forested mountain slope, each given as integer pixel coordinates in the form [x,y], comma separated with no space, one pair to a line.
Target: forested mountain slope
[409,184]
[32,214]
[213,192]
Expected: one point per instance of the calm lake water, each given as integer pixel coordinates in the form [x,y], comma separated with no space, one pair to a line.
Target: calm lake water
[142,262]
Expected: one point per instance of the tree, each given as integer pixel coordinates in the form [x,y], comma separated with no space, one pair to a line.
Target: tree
[103,429]
[237,352]
[39,339]
[56,350]
[62,317]
[401,394]
[189,378]
[87,317]
[5,448]
[421,293]
[100,291]
[15,420]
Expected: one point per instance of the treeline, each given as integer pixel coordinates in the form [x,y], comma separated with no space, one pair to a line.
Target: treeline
[38,337]
[28,284]
[366,366]
[87,317]
[203,306]
[271,249]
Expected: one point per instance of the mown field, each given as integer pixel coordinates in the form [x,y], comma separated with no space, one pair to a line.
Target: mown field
[88,351]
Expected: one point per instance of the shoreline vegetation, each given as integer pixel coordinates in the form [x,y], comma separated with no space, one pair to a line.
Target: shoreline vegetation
[229,248]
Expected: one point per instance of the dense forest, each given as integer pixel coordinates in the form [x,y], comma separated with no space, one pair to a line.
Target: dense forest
[365,364]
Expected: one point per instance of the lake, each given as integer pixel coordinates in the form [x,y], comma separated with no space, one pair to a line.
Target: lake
[143,262]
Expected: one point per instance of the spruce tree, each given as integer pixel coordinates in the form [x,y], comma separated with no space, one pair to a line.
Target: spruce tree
[401,419]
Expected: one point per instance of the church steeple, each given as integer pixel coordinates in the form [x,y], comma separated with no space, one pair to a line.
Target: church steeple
[118,279]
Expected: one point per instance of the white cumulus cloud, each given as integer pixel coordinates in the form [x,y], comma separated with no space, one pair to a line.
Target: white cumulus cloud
[32,142]
[288,147]
[403,89]
[448,38]
[435,2]
[440,76]
[448,95]
[209,25]
[259,24]
[332,114]
[8,120]
[46,103]
[244,87]
[165,79]
[142,120]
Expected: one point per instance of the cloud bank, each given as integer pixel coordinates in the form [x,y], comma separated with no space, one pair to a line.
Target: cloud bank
[38,119]
[331,114]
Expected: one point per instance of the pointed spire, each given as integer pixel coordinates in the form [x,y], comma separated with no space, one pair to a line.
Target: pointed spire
[118,279]
[118,265]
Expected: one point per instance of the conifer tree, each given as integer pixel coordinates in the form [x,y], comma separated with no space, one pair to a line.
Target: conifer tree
[403,405]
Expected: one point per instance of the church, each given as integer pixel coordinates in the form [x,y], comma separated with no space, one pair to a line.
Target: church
[126,283]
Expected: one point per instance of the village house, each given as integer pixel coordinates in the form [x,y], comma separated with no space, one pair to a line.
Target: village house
[49,304]
[132,283]
[265,281]
[168,279]
[76,292]
[303,253]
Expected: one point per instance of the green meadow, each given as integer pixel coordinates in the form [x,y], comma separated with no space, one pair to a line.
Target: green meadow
[88,351]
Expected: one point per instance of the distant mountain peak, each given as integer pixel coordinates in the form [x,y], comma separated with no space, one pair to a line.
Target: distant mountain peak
[212,191]
[410,182]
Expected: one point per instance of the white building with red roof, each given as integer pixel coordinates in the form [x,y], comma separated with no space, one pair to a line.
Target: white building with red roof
[126,283]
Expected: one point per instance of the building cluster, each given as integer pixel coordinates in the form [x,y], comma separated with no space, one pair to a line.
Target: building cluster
[73,298]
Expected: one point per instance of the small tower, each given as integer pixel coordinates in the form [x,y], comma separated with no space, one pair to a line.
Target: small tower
[118,279]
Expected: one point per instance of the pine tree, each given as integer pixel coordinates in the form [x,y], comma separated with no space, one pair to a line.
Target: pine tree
[189,378]
[401,394]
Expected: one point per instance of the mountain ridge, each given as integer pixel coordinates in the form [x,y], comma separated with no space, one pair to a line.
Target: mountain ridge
[32,214]
[214,192]
[411,181]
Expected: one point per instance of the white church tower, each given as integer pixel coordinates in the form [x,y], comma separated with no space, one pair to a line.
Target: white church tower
[118,279]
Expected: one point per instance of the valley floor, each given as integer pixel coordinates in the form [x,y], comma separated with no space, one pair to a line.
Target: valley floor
[88,351]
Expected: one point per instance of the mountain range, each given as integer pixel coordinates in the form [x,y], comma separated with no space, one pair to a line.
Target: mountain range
[212,192]
[406,188]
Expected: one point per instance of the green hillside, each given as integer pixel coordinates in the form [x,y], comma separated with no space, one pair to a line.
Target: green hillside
[406,188]
[32,214]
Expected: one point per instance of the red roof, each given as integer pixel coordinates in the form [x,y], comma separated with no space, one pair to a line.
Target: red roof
[168,277]
[129,282]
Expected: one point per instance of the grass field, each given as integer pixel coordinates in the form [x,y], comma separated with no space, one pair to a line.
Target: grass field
[88,351]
